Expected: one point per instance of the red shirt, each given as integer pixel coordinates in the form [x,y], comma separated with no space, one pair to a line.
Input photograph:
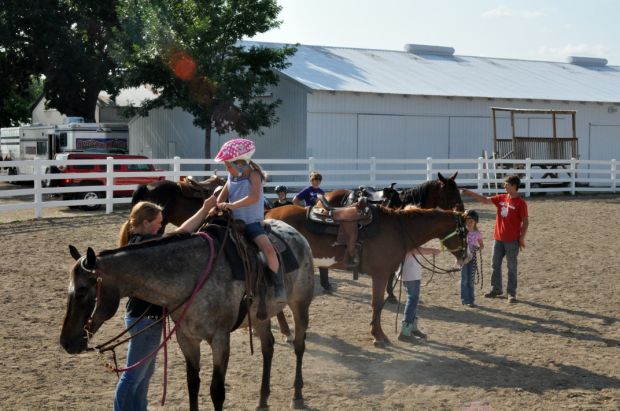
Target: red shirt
[510,215]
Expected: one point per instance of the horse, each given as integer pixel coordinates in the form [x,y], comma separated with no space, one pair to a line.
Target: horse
[397,232]
[165,272]
[440,193]
[178,200]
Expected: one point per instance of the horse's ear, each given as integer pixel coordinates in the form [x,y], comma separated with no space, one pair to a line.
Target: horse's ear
[91,259]
[454,176]
[74,252]
[392,186]
[440,177]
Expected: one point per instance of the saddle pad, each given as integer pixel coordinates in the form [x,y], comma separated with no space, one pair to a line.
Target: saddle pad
[218,233]
[287,258]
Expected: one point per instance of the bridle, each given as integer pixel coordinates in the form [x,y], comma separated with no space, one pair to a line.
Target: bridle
[461,232]
[89,322]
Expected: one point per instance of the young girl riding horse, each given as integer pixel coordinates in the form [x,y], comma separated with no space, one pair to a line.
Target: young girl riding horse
[243,196]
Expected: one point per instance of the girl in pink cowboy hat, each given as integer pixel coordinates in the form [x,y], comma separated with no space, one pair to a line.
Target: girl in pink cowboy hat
[243,196]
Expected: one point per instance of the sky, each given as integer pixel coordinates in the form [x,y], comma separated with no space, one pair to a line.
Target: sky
[548,30]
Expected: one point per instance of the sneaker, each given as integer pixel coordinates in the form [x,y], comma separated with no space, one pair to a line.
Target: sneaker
[471,305]
[512,299]
[493,294]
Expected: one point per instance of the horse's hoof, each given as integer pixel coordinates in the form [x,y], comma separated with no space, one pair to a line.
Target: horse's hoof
[289,338]
[391,299]
[298,404]
[378,343]
[327,288]
[262,408]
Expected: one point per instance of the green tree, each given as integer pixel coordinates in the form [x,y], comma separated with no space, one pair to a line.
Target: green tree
[190,52]
[17,69]
[73,53]
[65,41]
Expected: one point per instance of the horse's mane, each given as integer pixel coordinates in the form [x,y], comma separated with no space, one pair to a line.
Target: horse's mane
[171,238]
[418,194]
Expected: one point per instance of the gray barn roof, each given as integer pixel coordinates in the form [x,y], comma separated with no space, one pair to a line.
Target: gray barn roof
[434,71]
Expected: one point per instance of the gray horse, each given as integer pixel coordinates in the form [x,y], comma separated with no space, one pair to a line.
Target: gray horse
[165,272]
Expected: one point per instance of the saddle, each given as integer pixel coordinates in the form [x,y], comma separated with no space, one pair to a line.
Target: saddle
[190,188]
[371,195]
[248,263]
[345,223]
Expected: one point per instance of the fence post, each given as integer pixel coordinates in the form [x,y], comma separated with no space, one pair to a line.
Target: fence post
[429,168]
[176,168]
[528,176]
[109,182]
[310,164]
[373,171]
[480,174]
[614,178]
[573,174]
[38,197]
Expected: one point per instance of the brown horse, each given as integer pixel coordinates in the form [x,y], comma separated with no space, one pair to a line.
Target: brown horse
[440,193]
[398,231]
[170,272]
[179,200]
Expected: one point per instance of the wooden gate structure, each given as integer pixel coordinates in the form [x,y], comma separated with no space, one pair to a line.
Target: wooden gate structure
[552,147]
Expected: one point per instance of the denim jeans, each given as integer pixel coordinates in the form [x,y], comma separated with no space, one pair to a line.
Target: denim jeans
[133,386]
[511,251]
[413,298]
[467,282]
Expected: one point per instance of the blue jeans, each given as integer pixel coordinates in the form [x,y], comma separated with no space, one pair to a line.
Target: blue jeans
[133,386]
[413,298]
[467,282]
[511,251]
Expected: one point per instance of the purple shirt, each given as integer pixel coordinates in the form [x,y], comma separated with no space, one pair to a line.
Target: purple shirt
[309,194]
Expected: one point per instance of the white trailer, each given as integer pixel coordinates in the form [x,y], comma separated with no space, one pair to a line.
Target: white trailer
[45,141]
[9,142]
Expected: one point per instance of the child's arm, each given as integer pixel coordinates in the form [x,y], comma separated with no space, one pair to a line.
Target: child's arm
[480,243]
[479,198]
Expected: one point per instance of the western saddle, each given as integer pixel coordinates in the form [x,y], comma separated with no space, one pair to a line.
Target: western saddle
[347,220]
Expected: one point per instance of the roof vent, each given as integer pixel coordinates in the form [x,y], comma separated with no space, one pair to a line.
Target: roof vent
[587,61]
[426,49]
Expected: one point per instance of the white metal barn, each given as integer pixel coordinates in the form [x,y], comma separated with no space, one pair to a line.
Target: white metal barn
[424,101]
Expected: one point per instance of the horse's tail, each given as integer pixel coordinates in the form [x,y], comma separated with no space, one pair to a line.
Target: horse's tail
[139,194]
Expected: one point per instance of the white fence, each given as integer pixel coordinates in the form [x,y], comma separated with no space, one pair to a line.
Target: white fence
[484,175]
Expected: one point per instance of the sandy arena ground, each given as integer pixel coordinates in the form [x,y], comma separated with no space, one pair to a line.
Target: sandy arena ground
[558,348]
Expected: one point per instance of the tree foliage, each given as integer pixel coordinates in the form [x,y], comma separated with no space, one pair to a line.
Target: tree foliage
[190,53]
[67,42]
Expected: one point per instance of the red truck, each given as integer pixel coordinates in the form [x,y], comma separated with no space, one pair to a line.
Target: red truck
[98,168]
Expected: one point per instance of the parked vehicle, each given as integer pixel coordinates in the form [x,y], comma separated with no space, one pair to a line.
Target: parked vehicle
[45,141]
[99,168]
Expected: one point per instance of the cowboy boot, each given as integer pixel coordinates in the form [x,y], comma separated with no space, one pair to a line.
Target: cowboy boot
[405,332]
[416,331]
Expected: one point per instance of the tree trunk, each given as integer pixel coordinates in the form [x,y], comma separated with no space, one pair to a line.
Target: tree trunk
[207,147]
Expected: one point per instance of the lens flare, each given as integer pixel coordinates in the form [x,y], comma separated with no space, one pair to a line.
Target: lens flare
[182,65]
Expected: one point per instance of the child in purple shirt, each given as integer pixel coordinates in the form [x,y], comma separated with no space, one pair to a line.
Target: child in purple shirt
[310,193]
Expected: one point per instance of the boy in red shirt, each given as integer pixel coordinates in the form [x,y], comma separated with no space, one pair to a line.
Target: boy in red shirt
[511,225]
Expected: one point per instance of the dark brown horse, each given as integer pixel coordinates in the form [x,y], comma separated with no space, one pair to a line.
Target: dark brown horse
[179,200]
[440,193]
[398,231]
[166,272]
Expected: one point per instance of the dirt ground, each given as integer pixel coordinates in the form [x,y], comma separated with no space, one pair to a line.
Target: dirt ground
[558,348]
